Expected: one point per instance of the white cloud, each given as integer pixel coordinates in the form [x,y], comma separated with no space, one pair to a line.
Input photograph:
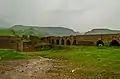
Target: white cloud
[78,14]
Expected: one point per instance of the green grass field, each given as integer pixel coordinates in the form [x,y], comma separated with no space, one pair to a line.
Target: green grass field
[107,58]
[10,54]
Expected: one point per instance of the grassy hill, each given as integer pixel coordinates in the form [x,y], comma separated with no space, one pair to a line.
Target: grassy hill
[49,31]
[5,32]
[44,31]
[102,31]
[20,30]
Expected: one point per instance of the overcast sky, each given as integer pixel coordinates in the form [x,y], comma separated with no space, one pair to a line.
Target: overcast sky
[81,15]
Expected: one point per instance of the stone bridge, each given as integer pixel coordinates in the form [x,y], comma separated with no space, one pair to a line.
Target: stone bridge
[34,43]
[89,40]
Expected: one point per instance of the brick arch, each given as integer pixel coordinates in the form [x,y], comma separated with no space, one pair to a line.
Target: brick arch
[74,42]
[114,42]
[57,41]
[100,42]
[52,41]
[68,42]
[62,41]
[49,41]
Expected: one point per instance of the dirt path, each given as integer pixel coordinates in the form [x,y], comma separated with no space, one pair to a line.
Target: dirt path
[40,68]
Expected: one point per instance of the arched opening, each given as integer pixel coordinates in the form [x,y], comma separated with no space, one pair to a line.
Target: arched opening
[74,42]
[62,42]
[57,42]
[68,42]
[52,41]
[49,41]
[100,43]
[114,43]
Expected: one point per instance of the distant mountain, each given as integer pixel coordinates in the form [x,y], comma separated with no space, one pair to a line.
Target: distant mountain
[43,31]
[102,31]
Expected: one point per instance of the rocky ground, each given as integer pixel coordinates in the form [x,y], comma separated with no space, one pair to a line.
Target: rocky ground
[41,68]
[44,68]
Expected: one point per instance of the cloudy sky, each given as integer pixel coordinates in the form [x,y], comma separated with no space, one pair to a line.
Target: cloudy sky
[81,15]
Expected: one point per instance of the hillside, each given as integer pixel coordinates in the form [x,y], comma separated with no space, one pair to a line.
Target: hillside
[50,31]
[43,31]
[5,32]
[102,31]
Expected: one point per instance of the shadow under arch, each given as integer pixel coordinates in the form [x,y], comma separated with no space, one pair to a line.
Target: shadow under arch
[100,42]
[49,41]
[62,42]
[57,42]
[68,42]
[114,43]
[52,42]
[74,42]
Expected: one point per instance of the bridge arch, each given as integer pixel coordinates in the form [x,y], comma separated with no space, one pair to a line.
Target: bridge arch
[49,41]
[100,42]
[68,42]
[52,41]
[57,42]
[62,42]
[114,43]
[74,42]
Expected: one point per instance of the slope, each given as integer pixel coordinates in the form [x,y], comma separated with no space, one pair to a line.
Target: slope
[102,31]
[45,31]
